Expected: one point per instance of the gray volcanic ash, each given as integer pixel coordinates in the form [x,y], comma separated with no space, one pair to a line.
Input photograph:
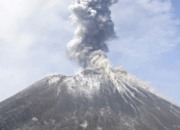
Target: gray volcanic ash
[94,29]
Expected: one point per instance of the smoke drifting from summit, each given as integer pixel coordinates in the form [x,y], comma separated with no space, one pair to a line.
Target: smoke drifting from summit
[89,45]
[94,29]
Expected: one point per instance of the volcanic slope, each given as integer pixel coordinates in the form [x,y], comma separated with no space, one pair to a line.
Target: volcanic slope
[90,100]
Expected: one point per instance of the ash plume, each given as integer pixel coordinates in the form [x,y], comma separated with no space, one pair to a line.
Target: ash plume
[90,43]
[94,29]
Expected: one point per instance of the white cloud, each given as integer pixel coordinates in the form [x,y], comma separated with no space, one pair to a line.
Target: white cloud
[33,39]
[145,28]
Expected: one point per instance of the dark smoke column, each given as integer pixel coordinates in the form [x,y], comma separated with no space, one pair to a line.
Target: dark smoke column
[94,29]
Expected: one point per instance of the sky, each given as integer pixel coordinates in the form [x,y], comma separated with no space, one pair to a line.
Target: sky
[34,35]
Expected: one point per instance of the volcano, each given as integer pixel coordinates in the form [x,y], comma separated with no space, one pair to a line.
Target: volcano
[90,100]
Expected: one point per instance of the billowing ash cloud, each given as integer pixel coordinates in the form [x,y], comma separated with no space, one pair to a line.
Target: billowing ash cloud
[89,45]
[94,29]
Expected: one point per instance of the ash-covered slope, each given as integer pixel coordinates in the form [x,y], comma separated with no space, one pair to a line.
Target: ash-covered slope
[88,101]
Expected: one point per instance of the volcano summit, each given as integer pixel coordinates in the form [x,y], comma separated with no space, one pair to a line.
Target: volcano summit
[90,100]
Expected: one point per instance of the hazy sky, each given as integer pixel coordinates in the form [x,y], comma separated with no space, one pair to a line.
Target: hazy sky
[34,34]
